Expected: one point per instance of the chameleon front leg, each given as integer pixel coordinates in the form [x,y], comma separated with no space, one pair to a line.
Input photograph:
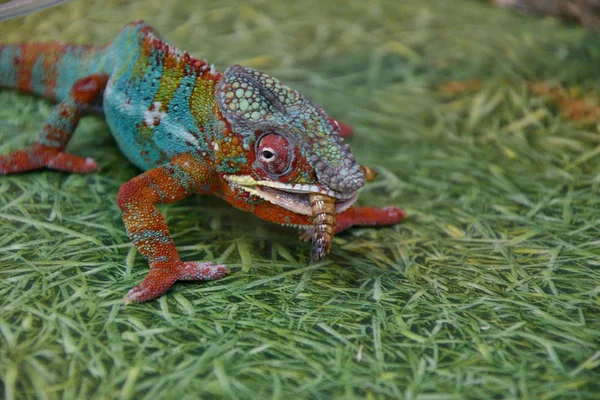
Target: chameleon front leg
[48,150]
[148,229]
[361,216]
[368,216]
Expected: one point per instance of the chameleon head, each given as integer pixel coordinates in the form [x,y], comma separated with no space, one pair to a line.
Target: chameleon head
[291,147]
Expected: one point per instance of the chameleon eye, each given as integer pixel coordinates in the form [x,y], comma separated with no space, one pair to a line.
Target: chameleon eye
[267,154]
[273,153]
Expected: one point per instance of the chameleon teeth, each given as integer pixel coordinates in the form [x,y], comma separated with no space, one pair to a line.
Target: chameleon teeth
[248,181]
[293,197]
[297,226]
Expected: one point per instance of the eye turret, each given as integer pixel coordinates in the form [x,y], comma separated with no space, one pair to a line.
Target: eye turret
[273,153]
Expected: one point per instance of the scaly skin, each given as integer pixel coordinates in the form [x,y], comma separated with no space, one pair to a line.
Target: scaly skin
[241,135]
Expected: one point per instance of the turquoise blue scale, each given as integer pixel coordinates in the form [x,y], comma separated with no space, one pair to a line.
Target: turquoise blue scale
[38,76]
[125,107]
[57,122]
[178,130]
[8,69]
[127,99]
[129,106]
[149,234]
[184,179]
[179,108]
[77,63]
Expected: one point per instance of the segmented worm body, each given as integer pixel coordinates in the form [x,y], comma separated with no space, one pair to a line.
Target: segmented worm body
[323,211]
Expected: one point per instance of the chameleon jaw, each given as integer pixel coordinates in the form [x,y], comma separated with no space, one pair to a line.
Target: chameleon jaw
[292,197]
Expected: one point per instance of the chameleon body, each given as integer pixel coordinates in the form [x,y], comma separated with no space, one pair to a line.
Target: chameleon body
[241,135]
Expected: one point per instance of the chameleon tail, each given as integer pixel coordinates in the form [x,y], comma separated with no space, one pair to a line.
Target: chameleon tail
[47,69]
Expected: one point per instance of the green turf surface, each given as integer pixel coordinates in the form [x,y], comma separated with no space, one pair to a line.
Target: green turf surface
[489,290]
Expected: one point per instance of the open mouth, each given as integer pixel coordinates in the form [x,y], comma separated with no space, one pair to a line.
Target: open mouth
[293,197]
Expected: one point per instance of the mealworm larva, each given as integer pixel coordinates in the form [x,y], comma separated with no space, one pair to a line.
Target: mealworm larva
[323,211]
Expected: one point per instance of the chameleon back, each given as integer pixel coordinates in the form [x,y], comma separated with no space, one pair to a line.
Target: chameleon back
[159,102]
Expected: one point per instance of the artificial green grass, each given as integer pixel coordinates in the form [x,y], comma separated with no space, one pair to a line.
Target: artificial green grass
[488,290]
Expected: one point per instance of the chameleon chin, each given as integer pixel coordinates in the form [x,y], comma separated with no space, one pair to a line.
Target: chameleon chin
[241,135]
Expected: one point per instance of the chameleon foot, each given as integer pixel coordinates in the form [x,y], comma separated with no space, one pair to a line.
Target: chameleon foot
[199,271]
[39,156]
[160,279]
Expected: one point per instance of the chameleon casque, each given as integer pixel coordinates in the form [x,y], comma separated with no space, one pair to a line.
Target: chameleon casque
[241,135]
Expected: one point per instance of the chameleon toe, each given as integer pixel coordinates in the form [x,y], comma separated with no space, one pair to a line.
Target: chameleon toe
[202,271]
[157,282]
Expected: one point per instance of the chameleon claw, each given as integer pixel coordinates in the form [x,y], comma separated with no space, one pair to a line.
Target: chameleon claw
[157,282]
[71,163]
[130,297]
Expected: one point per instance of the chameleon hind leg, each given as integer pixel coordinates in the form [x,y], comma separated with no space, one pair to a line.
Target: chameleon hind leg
[148,229]
[49,149]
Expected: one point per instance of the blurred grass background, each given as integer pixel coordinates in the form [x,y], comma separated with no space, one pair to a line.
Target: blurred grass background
[489,289]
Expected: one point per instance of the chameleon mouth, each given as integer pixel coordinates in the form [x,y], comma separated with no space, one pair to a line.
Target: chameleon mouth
[293,197]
